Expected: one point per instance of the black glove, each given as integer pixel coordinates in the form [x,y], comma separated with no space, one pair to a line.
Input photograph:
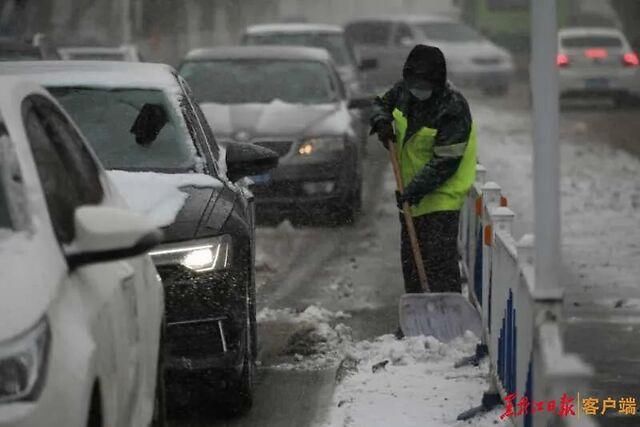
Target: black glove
[407,196]
[385,133]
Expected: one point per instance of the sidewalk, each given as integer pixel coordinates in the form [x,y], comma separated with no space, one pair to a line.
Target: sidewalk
[601,241]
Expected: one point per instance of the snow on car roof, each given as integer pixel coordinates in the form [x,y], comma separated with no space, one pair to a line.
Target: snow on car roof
[293,28]
[260,52]
[95,73]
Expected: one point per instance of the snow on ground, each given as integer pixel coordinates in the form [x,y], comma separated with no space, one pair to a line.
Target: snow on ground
[409,383]
[600,198]
[383,382]
[158,195]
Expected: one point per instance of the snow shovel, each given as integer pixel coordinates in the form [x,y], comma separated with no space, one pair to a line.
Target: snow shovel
[444,315]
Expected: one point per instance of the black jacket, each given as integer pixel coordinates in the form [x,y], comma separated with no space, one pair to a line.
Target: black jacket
[446,110]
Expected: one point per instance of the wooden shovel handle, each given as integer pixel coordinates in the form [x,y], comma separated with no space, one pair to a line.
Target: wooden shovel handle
[408,219]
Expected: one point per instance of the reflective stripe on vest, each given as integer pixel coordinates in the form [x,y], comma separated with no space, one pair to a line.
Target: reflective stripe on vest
[418,150]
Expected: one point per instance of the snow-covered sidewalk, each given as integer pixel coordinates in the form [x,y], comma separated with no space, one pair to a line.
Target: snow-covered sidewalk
[600,203]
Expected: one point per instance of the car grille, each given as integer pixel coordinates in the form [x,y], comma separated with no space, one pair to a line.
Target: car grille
[494,60]
[280,147]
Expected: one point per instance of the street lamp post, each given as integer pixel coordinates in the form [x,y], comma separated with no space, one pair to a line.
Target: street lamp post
[546,162]
[126,22]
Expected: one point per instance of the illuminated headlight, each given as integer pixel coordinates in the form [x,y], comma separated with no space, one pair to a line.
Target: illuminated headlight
[312,146]
[212,254]
[22,364]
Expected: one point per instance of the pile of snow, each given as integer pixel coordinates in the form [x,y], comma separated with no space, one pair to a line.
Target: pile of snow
[158,195]
[312,314]
[408,382]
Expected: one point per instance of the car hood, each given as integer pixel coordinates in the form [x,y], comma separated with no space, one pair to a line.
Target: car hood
[203,215]
[32,271]
[186,206]
[246,121]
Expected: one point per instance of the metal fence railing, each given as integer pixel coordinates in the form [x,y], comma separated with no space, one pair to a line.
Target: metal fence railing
[520,327]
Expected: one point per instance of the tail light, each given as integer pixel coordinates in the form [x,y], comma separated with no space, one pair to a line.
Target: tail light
[562,60]
[630,59]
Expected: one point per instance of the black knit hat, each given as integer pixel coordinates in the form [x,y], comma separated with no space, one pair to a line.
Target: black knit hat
[426,63]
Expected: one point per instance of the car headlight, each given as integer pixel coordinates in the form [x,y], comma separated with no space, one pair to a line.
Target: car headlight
[22,364]
[312,146]
[210,254]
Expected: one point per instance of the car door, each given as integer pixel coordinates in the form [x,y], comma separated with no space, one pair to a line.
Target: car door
[372,39]
[71,178]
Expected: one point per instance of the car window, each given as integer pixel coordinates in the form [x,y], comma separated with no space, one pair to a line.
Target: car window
[370,33]
[107,117]
[260,81]
[449,32]
[591,41]
[334,43]
[403,36]
[69,176]
[5,211]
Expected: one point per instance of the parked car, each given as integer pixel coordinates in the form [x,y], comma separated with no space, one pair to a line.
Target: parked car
[329,37]
[291,100]
[144,126]
[597,62]
[127,52]
[36,48]
[81,311]
[471,58]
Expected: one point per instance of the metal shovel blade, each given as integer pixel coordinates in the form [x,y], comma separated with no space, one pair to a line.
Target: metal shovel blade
[444,316]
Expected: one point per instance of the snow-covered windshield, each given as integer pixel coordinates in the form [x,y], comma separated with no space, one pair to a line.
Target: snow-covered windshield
[106,117]
[260,81]
[335,43]
[449,32]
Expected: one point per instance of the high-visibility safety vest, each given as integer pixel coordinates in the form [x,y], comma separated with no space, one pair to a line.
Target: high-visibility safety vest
[417,151]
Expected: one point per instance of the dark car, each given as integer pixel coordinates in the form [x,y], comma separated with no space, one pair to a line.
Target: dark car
[144,127]
[291,100]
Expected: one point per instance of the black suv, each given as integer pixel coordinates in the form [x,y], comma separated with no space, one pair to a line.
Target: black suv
[144,127]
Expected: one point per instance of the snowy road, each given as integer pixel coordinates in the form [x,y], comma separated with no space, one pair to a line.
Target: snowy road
[327,293]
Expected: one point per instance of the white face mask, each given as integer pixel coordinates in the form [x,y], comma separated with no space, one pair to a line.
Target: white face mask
[422,94]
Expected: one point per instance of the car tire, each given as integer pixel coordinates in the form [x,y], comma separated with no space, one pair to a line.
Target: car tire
[347,214]
[499,90]
[240,394]
[160,400]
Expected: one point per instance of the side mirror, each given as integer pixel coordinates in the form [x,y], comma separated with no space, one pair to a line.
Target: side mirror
[108,234]
[368,64]
[360,103]
[246,159]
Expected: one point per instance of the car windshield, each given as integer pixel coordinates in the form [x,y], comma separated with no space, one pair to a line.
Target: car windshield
[591,41]
[98,56]
[449,32]
[260,81]
[334,43]
[107,118]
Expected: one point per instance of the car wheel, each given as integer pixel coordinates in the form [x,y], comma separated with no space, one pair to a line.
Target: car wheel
[241,393]
[499,90]
[348,213]
[160,401]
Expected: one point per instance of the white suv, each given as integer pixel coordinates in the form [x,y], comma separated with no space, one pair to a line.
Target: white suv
[596,61]
[81,305]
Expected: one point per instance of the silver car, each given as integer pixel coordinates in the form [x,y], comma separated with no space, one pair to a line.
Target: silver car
[471,58]
[597,62]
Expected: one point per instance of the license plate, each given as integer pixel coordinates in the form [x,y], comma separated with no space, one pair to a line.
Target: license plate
[261,179]
[600,83]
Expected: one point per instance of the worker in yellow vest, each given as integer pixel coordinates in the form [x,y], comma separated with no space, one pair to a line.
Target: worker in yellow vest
[430,123]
